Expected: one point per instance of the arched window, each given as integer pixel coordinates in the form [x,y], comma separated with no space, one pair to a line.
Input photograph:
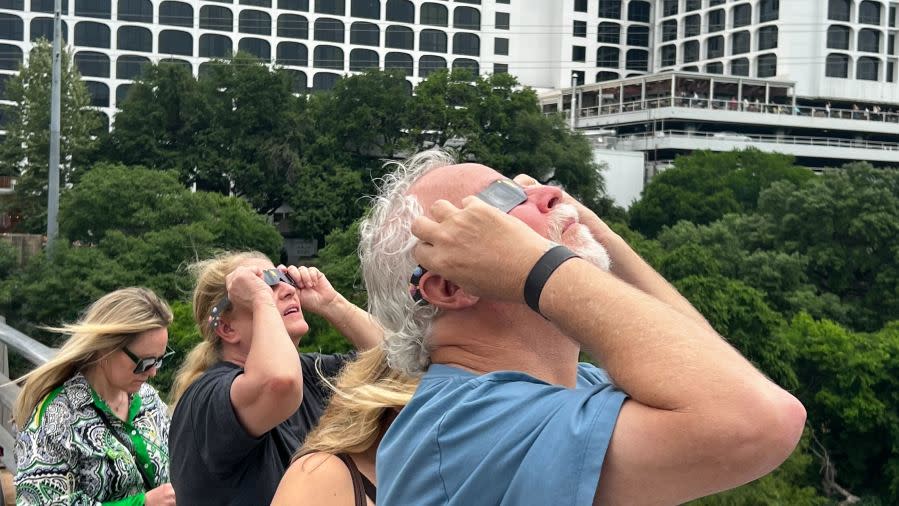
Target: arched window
[638,11]
[257,3]
[11,27]
[767,38]
[467,64]
[610,9]
[257,47]
[294,5]
[741,15]
[213,45]
[867,69]
[297,79]
[428,64]
[90,34]
[689,68]
[669,7]
[47,6]
[714,68]
[668,55]
[432,40]
[292,53]
[323,81]
[336,7]
[606,76]
[176,14]
[467,44]
[177,62]
[293,26]
[467,18]
[637,59]
[103,120]
[137,11]
[869,13]
[94,9]
[12,57]
[370,9]
[669,30]
[254,22]
[121,93]
[92,64]
[692,25]
[327,57]
[329,30]
[838,10]
[690,50]
[869,40]
[837,65]
[739,67]
[714,47]
[638,36]
[175,42]
[42,28]
[433,14]
[130,66]
[607,56]
[365,34]
[134,38]
[740,42]
[608,33]
[401,61]
[769,10]
[99,93]
[402,11]
[214,17]
[363,59]
[716,20]
[399,37]
[767,65]
[838,37]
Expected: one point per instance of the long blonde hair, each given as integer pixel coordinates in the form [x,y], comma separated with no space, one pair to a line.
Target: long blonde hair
[108,324]
[209,291]
[363,393]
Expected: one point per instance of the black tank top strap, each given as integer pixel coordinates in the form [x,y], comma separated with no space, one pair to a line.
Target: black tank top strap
[361,485]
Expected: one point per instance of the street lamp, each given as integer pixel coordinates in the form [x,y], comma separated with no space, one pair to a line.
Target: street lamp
[573,100]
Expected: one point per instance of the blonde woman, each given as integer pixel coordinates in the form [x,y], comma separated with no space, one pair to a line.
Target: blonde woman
[245,398]
[336,466]
[91,430]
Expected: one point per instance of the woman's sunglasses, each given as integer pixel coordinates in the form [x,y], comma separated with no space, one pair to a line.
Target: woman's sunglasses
[271,277]
[145,364]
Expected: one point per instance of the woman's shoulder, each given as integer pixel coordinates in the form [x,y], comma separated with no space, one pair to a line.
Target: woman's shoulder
[59,406]
[320,478]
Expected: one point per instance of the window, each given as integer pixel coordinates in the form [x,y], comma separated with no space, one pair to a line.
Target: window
[365,34]
[637,59]
[327,57]
[176,14]
[579,29]
[215,46]
[714,68]
[607,56]
[432,40]
[580,5]
[467,63]
[714,47]
[292,53]
[869,40]
[690,51]
[638,11]
[838,10]
[12,57]
[713,3]
[213,17]
[257,47]
[867,69]
[692,5]
[476,2]
[134,38]
[578,77]
[175,42]
[669,7]
[668,55]
[837,65]
[606,76]
[578,53]
[767,65]
[716,20]
[137,11]
[869,13]
[121,93]
[297,80]
[363,59]
[740,42]
[742,15]
[369,9]
[433,14]
[43,28]
[400,61]
[892,20]
[47,6]
[500,68]
[337,7]
[769,10]
[767,37]
[740,67]
[130,67]
[610,9]
[402,11]
[99,93]
[608,33]
[13,5]
[257,3]
[258,23]
[92,64]
[329,30]
[428,64]
[94,9]
[502,21]
[467,44]
[891,44]
[838,37]
[90,34]
[323,81]
[399,37]
[891,72]
[692,25]
[294,5]
[669,30]
[468,18]
[293,26]
[638,36]
[501,46]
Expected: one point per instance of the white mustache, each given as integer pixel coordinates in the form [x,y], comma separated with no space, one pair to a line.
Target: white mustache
[561,215]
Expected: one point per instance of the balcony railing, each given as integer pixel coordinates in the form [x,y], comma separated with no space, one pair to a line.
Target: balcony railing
[773,139]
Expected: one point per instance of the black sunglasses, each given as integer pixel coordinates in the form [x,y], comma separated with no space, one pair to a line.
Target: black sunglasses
[502,194]
[271,277]
[145,364]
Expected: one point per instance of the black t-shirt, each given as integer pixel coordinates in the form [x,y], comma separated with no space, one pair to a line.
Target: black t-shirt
[212,458]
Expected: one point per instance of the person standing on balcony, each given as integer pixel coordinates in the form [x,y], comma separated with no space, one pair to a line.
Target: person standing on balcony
[91,430]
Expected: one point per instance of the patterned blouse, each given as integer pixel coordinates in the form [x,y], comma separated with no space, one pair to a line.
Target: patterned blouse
[68,456]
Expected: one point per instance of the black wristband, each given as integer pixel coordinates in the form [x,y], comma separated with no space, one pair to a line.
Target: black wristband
[540,273]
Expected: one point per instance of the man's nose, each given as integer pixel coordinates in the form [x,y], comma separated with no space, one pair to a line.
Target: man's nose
[545,197]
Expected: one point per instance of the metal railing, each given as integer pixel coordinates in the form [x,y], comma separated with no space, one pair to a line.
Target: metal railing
[774,139]
[34,352]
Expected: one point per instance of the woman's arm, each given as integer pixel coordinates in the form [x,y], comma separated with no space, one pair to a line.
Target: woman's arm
[317,478]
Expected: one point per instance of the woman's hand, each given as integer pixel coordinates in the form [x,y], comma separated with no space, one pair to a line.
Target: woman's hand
[163,495]
[313,287]
[245,286]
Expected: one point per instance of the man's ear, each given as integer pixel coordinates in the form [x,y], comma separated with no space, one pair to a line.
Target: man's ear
[443,293]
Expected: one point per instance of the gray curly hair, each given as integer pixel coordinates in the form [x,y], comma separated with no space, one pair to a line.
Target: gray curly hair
[385,252]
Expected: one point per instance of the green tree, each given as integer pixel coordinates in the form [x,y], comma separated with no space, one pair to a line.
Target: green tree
[25,151]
